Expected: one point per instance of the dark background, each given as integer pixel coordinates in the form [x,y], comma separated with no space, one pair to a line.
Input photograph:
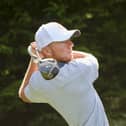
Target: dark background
[103,27]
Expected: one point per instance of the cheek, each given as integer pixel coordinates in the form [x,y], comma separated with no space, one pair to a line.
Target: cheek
[61,53]
[60,50]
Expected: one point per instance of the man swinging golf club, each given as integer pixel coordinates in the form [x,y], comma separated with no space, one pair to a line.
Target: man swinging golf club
[63,77]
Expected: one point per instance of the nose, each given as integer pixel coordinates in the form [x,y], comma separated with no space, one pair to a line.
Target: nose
[70,43]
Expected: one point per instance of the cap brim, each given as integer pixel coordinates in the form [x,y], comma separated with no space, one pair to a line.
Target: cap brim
[68,35]
[74,33]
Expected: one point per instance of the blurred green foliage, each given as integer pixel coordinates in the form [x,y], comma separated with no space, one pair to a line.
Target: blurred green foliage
[103,27]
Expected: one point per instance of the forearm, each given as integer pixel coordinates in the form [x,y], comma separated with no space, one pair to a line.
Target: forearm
[32,67]
[79,54]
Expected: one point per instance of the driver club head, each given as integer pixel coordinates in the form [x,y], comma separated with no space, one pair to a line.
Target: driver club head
[48,68]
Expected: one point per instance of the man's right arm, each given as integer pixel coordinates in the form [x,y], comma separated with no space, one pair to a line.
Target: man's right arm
[32,67]
[79,54]
[87,61]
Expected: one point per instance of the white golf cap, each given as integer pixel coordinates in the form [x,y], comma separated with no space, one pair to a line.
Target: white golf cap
[53,32]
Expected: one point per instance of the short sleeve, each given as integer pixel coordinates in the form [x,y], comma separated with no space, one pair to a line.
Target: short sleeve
[34,92]
[78,69]
[89,65]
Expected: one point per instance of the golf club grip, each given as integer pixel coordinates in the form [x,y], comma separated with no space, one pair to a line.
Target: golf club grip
[33,56]
[30,52]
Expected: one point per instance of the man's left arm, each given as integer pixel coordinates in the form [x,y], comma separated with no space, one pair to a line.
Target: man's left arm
[32,67]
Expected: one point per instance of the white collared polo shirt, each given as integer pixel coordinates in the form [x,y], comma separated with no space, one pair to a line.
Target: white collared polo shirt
[71,92]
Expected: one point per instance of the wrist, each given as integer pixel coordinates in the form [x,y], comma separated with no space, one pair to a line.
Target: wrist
[34,60]
[78,54]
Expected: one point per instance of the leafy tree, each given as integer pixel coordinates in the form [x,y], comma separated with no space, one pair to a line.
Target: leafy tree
[102,24]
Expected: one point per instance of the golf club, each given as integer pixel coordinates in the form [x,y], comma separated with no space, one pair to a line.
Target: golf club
[48,67]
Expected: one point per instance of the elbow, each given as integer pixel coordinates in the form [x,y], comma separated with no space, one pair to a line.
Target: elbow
[95,62]
[20,93]
[22,96]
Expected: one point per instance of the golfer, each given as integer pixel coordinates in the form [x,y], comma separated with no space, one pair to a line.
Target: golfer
[71,92]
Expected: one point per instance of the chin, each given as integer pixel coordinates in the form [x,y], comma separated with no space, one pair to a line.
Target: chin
[67,59]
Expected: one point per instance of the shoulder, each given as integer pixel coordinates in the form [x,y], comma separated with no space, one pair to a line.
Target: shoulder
[78,68]
[87,62]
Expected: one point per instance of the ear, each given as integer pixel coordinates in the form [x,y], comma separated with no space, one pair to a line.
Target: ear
[47,52]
